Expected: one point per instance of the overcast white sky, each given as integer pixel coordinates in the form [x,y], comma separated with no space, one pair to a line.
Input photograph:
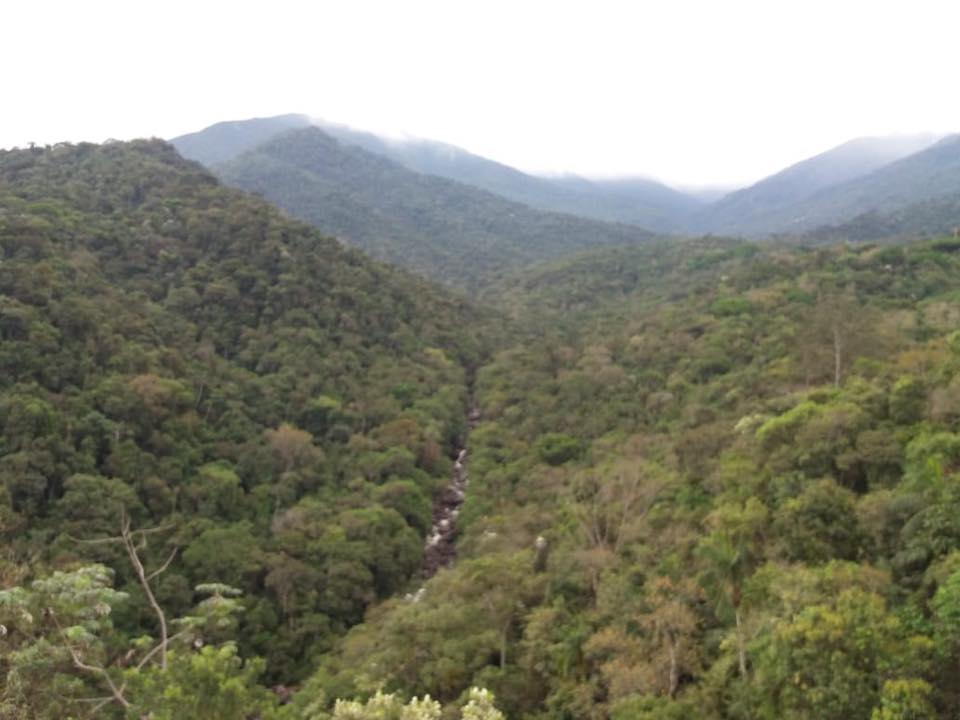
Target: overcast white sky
[691,92]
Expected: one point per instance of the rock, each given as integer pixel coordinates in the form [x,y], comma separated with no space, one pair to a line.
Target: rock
[541,550]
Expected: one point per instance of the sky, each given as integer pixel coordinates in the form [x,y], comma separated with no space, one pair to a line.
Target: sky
[695,93]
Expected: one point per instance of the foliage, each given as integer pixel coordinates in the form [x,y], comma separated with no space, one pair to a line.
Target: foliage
[184,354]
[761,499]
[706,478]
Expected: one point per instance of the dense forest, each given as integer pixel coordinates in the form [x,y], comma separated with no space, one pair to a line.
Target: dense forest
[708,478]
[743,460]
[262,413]
[929,218]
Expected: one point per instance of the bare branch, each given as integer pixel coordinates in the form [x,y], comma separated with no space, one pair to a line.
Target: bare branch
[129,543]
[146,658]
[163,567]
[119,539]
[105,699]
[97,541]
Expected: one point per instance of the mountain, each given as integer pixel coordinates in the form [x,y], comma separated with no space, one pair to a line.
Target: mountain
[715,480]
[826,190]
[709,193]
[637,201]
[708,478]
[445,230]
[225,140]
[775,204]
[182,355]
[925,181]
[928,218]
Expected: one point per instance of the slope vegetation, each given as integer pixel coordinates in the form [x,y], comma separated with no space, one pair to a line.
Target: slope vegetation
[708,478]
[224,141]
[637,201]
[929,218]
[923,185]
[646,203]
[858,182]
[445,230]
[278,408]
[775,204]
[743,460]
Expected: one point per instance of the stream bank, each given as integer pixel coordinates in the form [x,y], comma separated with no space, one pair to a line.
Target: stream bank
[440,549]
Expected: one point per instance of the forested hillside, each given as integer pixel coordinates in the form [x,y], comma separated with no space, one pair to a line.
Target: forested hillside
[452,233]
[864,189]
[744,463]
[638,201]
[224,141]
[707,478]
[768,206]
[912,194]
[202,397]
[641,202]
[926,219]
[930,175]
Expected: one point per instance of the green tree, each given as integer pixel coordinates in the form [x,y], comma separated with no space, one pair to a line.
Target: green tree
[828,661]
[213,682]
[905,700]
[729,555]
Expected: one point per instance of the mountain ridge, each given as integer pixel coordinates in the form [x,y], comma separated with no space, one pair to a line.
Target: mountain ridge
[928,175]
[223,141]
[449,231]
[766,206]
[833,189]
[636,200]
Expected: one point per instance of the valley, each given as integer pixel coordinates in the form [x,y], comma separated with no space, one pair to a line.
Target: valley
[480,361]
[401,435]
[440,549]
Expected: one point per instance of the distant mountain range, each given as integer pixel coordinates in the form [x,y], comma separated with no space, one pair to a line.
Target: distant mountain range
[891,185]
[920,181]
[928,218]
[777,203]
[446,230]
[636,201]
[226,140]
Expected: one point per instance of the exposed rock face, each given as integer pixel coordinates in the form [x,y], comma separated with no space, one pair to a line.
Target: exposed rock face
[439,550]
[541,550]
